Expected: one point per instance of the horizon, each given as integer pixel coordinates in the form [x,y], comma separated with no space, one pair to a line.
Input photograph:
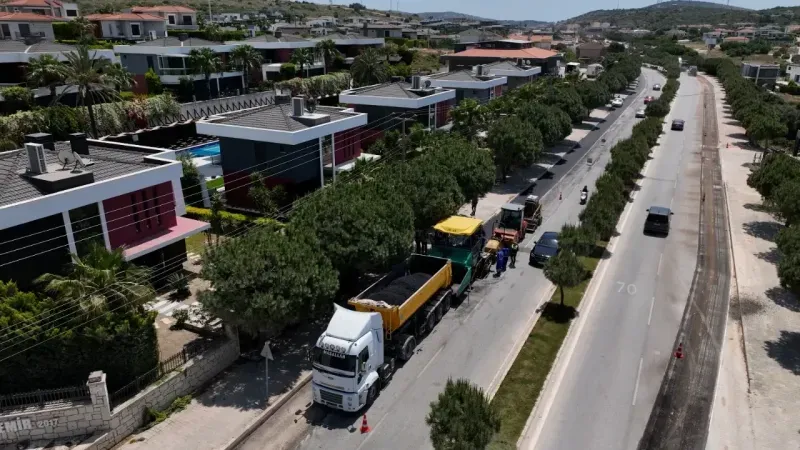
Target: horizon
[550,12]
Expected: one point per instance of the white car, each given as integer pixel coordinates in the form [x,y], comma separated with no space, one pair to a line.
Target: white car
[640,113]
[616,103]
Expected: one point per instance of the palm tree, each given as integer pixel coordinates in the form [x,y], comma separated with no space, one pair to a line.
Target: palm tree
[46,71]
[303,57]
[101,281]
[120,77]
[205,61]
[90,77]
[369,68]
[389,49]
[326,48]
[246,58]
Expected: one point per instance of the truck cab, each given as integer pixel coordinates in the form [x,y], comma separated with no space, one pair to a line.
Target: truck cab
[346,360]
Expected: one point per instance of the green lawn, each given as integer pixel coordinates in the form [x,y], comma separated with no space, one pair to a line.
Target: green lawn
[521,386]
[196,243]
[215,183]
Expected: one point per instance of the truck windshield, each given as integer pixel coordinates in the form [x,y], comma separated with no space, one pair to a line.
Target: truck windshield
[331,360]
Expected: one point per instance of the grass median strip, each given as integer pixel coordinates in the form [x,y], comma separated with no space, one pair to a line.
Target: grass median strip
[522,384]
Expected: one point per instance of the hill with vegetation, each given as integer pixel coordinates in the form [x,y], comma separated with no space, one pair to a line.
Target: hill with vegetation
[667,15]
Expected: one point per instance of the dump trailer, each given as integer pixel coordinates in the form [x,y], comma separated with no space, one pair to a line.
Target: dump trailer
[355,356]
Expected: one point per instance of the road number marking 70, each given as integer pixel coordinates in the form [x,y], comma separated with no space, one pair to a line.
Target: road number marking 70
[630,288]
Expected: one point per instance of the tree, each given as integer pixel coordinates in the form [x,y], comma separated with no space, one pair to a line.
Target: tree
[267,200]
[83,29]
[369,68]
[100,281]
[153,82]
[553,123]
[514,142]
[302,57]
[565,270]
[212,31]
[766,127]
[593,95]
[577,239]
[119,77]
[89,76]
[247,59]
[46,71]
[567,99]
[326,48]
[357,7]
[462,417]
[388,50]
[616,47]
[207,62]
[362,227]
[469,117]
[215,219]
[288,71]
[600,216]
[267,280]
[787,201]
[774,170]
[471,166]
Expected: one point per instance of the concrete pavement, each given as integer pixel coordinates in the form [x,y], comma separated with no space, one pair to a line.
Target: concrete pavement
[603,386]
[478,338]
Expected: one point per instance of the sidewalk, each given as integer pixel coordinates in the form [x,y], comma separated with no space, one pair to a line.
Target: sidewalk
[235,400]
[769,331]
[520,179]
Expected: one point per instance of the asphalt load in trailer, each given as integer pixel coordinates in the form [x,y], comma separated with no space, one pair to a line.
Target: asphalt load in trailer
[399,290]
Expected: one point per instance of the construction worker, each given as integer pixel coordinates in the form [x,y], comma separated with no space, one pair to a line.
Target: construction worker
[474,205]
[418,242]
[502,259]
[513,254]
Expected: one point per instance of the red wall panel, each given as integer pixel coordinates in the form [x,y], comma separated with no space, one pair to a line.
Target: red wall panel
[137,215]
[348,145]
[442,113]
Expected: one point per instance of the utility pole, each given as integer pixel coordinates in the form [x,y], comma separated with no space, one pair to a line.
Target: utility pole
[210,20]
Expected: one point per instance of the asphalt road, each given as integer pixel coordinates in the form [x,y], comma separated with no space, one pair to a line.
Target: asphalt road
[474,340]
[607,381]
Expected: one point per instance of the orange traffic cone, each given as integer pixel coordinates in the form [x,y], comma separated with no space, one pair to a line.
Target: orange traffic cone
[364,427]
[679,352]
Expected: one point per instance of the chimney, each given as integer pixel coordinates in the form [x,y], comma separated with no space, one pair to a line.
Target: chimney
[78,143]
[479,70]
[37,164]
[298,106]
[415,82]
[45,139]
[278,34]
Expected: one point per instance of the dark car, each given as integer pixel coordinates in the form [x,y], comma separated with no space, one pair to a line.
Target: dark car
[658,219]
[656,87]
[677,124]
[546,247]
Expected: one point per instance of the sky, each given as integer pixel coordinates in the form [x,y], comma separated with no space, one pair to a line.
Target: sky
[548,11]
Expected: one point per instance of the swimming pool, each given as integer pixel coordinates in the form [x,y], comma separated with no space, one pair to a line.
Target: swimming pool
[210,149]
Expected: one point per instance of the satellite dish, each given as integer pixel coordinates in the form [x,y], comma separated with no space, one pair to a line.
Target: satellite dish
[427,83]
[66,157]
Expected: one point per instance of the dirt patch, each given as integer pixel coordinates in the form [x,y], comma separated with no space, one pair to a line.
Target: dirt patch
[747,306]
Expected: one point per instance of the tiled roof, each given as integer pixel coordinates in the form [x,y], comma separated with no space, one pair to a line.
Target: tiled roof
[30,3]
[522,53]
[172,41]
[279,118]
[25,17]
[162,8]
[108,163]
[394,90]
[126,16]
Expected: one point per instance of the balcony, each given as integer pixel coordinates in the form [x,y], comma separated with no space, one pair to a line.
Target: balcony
[173,75]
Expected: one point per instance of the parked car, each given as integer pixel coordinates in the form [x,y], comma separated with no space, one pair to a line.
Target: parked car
[648,99]
[658,219]
[656,87]
[616,103]
[640,113]
[677,124]
[546,247]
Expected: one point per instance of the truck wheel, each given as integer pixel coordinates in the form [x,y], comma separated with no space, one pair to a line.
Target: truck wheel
[446,304]
[431,322]
[439,312]
[372,394]
[407,349]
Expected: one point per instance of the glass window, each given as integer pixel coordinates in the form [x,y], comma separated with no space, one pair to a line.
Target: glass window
[135,29]
[86,228]
[325,358]
[657,218]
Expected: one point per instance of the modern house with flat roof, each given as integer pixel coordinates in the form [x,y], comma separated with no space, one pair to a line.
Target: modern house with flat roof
[168,57]
[288,144]
[761,74]
[517,73]
[176,17]
[389,104]
[61,197]
[477,84]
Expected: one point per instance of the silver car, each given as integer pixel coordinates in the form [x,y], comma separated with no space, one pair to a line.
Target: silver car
[616,103]
[640,113]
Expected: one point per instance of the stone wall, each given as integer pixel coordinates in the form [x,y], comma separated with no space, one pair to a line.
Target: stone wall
[94,416]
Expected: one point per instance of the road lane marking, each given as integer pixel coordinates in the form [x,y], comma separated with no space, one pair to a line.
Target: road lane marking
[636,388]
[660,258]
[650,316]
[430,362]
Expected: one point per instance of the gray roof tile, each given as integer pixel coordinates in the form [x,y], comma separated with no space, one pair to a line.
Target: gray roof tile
[271,38]
[172,41]
[460,75]
[279,117]
[107,163]
[395,90]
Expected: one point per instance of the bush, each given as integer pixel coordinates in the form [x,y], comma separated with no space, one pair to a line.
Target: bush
[230,221]
[17,98]
[288,71]
[154,86]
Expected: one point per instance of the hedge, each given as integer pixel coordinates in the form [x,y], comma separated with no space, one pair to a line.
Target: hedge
[231,222]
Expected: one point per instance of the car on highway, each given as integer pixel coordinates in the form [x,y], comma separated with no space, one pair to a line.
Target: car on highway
[648,99]
[656,87]
[677,124]
[657,220]
[616,103]
[544,249]
[640,113]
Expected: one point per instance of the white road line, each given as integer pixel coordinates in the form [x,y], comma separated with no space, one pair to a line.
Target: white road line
[636,388]
[650,316]
[430,362]
[660,258]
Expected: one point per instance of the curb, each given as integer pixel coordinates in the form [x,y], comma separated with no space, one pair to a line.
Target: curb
[264,416]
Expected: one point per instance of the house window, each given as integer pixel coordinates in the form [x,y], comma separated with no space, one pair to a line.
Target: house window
[187,20]
[135,213]
[72,13]
[386,33]
[171,19]
[136,29]
[146,208]
[6,31]
[157,205]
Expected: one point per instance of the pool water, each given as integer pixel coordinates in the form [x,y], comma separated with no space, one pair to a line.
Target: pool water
[211,149]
